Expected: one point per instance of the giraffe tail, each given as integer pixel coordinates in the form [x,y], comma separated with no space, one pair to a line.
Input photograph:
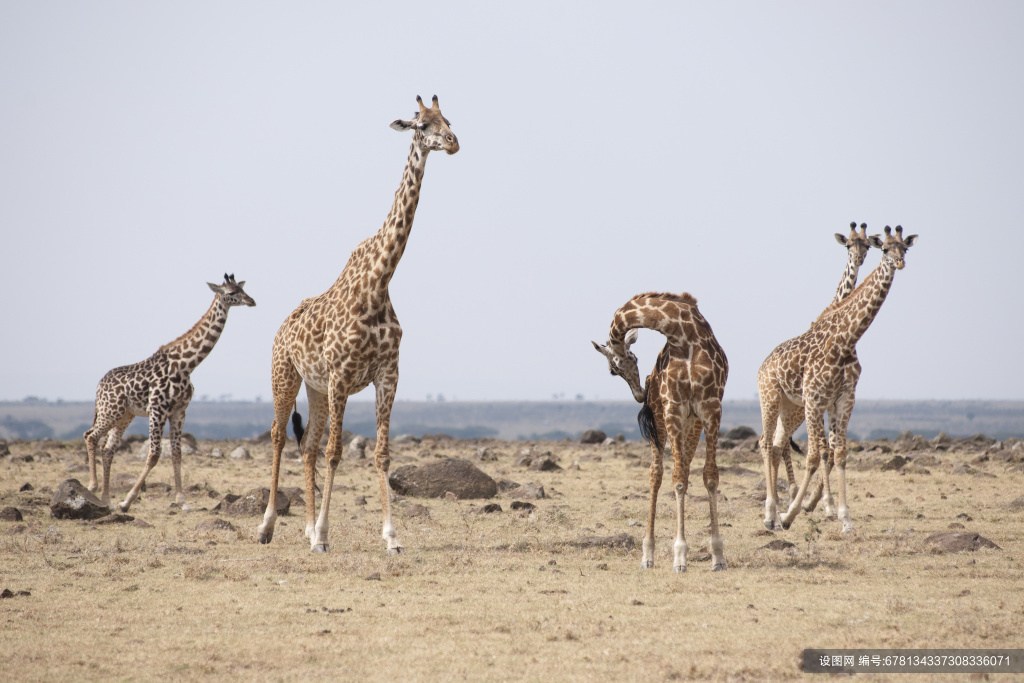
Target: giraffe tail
[648,428]
[794,446]
[297,427]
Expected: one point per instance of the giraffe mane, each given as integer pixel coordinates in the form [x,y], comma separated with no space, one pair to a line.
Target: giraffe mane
[684,298]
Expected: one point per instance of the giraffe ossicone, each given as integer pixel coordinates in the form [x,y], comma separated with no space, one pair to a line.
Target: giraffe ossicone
[339,342]
[681,397]
[816,372]
[159,387]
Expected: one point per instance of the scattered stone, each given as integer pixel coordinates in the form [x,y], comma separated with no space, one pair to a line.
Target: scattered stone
[622,540]
[71,500]
[484,454]
[216,453]
[544,463]
[8,593]
[294,494]
[531,490]
[955,525]
[415,510]
[1017,504]
[894,464]
[359,500]
[927,461]
[489,508]
[740,432]
[216,524]
[778,544]
[433,480]
[226,501]
[240,453]
[966,517]
[255,503]
[115,518]
[188,447]
[142,524]
[356,448]
[123,482]
[373,577]
[603,566]
[914,468]
[593,436]
[26,487]
[958,541]
[521,506]
[405,439]
[11,514]
[507,485]
[941,439]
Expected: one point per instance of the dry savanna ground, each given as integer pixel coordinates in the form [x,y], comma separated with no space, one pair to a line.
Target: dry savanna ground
[510,595]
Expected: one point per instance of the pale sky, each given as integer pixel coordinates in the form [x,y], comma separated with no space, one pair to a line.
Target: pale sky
[714,148]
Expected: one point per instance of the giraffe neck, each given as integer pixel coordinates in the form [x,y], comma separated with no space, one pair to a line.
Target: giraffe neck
[661,313]
[858,311]
[849,281]
[389,242]
[195,345]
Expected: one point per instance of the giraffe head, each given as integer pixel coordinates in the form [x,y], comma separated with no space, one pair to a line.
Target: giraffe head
[624,364]
[894,247]
[231,292]
[433,131]
[858,243]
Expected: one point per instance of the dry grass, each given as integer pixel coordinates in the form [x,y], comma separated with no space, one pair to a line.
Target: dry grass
[496,596]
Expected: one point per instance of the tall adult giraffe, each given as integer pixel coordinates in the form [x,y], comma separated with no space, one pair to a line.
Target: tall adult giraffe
[346,338]
[161,388]
[805,376]
[682,396]
[857,245]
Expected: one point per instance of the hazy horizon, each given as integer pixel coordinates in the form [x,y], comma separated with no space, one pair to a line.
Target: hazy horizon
[146,149]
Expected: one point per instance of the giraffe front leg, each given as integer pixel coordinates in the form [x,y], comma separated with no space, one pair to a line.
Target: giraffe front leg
[815,445]
[156,428]
[382,456]
[656,472]
[177,421]
[337,398]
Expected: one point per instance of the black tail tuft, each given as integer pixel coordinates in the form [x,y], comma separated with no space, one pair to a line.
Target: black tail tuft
[648,428]
[792,444]
[297,427]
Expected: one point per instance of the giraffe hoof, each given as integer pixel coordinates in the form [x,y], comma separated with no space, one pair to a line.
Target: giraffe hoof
[847,528]
[786,525]
[718,567]
[679,568]
[770,526]
[395,551]
[122,507]
[265,538]
[321,548]
[647,564]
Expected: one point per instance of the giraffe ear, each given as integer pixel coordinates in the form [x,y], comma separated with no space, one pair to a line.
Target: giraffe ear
[215,288]
[631,337]
[240,284]
[603,350]
[841,239]
[400,125]
[876,241]
[909,241]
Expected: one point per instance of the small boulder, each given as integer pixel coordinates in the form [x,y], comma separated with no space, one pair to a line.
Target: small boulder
[778,544]
[11,514]
[240,453]
[531,490]
[740,432]
[415,510]
[226,501]
[593,436]
[544,463]
[894,464]
[115,518]
[255,503]
[1017,503]
[356,448]
[488,509]
[522,506]
[622,540]
[215,524]
[71,500]
[434,480]
[958,541]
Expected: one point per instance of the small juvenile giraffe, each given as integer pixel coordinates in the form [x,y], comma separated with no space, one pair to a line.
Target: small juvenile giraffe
[347,337]
[857,246]
[161,388]
[682,396]
[808,375]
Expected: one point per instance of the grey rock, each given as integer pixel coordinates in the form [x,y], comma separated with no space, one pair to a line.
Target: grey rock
[11,514]
[740,432]
[894,464]
[778,544]
[71,500]
[356,448]
[544,463]
[622,540]
[488,509]
[415,510]
[531,491]
[958,541]
[434,480]
[240,453]
[216,524]
[593,436]
[115,518]
[522,506]
[255,503]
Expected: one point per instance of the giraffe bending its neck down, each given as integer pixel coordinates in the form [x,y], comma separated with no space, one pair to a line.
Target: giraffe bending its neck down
[682,396]
[857,246]
[347,337]
[161,388]
[807,375]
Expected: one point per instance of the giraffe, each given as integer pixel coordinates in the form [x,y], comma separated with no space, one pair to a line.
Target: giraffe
[681,397]
[807,375]
[161,388]
[857,245]
[344,339]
